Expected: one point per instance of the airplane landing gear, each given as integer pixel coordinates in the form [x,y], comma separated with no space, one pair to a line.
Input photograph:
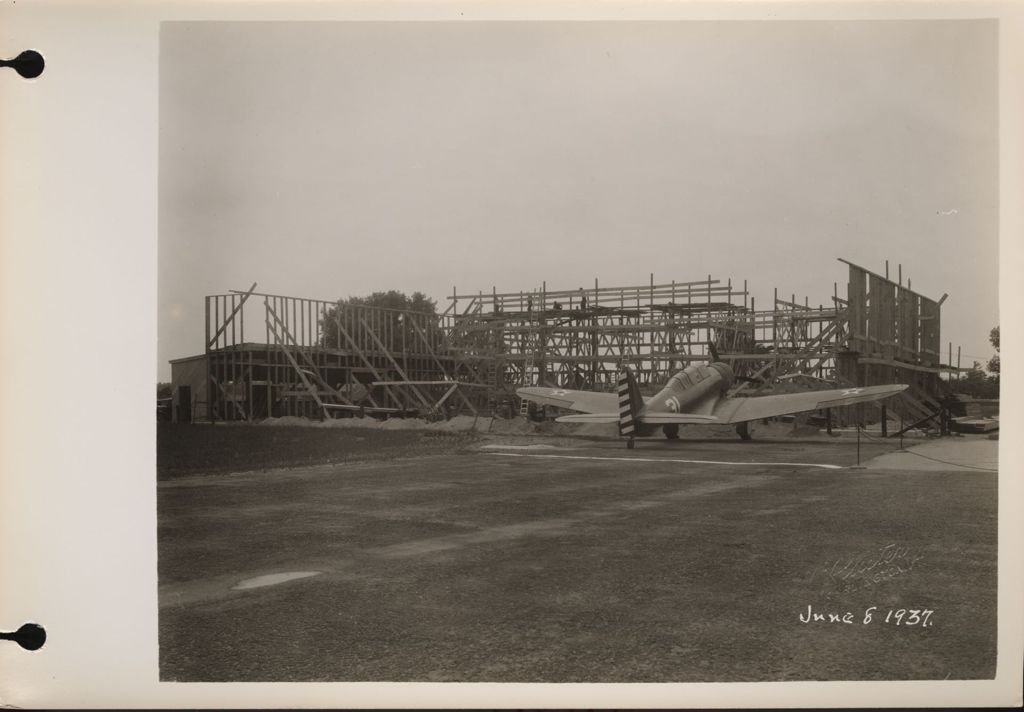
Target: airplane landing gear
[671,431]
[630,444]
[743,430]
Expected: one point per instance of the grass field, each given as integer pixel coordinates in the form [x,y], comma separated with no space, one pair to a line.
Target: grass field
[439,560]
[212,449]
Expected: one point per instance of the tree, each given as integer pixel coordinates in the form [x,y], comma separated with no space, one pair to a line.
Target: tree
[993,363]
[163,390]
[393,299]
[976,384]
[399,328]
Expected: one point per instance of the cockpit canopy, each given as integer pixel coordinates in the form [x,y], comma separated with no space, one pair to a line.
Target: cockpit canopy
[695,374]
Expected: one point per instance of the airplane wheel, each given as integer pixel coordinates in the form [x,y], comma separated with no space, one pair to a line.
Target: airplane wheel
[671,431]
[630,444]
[743,430]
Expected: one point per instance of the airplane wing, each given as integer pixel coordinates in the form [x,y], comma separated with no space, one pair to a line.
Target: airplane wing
[738,410]
[685,418]
[653,418]
[357,408]
[583,401]
[589,418]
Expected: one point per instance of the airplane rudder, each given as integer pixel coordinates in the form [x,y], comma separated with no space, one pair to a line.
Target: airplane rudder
[628,409]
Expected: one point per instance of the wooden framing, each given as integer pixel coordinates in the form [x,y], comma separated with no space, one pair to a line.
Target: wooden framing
[321,358]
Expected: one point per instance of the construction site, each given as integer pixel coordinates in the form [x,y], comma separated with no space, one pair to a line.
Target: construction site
[379,501]
[270,356]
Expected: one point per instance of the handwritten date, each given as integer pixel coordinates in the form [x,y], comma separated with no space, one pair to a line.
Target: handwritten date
[872,615]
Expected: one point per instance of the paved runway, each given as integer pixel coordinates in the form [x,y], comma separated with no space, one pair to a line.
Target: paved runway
[677,561]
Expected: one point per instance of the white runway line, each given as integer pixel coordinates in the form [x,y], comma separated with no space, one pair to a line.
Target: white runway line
[522,447]
[273,579]
[666,459]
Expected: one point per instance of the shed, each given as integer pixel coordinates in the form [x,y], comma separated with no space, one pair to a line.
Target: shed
[188,388]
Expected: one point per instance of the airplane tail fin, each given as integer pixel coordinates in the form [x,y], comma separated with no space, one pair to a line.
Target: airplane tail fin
[630,403]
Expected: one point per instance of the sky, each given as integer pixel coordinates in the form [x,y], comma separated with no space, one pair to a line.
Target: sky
[338,159]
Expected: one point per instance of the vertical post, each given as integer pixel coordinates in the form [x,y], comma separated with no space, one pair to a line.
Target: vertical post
[753,316]
[775,333]
[209,367]
[885,424]
[249,393]
[887,269]
[594,338]
[271,369]
[707,320]
[828,421]
[541,361]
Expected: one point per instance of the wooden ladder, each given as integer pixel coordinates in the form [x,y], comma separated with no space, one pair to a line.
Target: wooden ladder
[490,379]
[524,407]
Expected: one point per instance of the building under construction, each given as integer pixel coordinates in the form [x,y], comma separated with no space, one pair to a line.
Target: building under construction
[271,355]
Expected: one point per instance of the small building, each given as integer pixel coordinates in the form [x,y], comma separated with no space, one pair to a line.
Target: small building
[188,389]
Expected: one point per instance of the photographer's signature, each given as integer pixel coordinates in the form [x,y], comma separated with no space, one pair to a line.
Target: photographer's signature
[874,567]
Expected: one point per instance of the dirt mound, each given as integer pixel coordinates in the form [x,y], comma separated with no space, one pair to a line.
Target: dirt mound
[460,423]
[516,426]
[288,421]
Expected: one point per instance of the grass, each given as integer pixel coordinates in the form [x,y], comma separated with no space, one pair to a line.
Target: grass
[185,450]
[640,573]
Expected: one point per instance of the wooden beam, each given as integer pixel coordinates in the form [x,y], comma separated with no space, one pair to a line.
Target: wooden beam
[908,366]
[231,316]
[885,279]
[614,291]
[369,365]
[302,376]
[453,389]
[313,367]
[387,354]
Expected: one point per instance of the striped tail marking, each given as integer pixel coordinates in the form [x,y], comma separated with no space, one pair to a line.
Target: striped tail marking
[629,403]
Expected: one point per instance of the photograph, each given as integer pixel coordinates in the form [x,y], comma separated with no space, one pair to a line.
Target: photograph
[565,351]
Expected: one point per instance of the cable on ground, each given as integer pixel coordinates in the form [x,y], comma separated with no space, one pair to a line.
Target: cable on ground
[933,459]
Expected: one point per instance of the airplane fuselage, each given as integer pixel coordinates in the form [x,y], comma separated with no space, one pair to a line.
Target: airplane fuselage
[695,389]
[698,394]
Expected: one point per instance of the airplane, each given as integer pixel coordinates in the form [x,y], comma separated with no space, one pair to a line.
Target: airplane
[695,395]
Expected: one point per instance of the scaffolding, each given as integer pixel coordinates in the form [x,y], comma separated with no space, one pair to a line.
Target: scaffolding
[582,338]
[882,332]
[331,359]
[321,359]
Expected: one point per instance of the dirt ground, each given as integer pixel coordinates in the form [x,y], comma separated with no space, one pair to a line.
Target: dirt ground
[288,442]
[184,450]
[490,557]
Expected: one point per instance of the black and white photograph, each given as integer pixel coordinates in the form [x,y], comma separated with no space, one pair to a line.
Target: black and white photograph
[578,352]
[508,355]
